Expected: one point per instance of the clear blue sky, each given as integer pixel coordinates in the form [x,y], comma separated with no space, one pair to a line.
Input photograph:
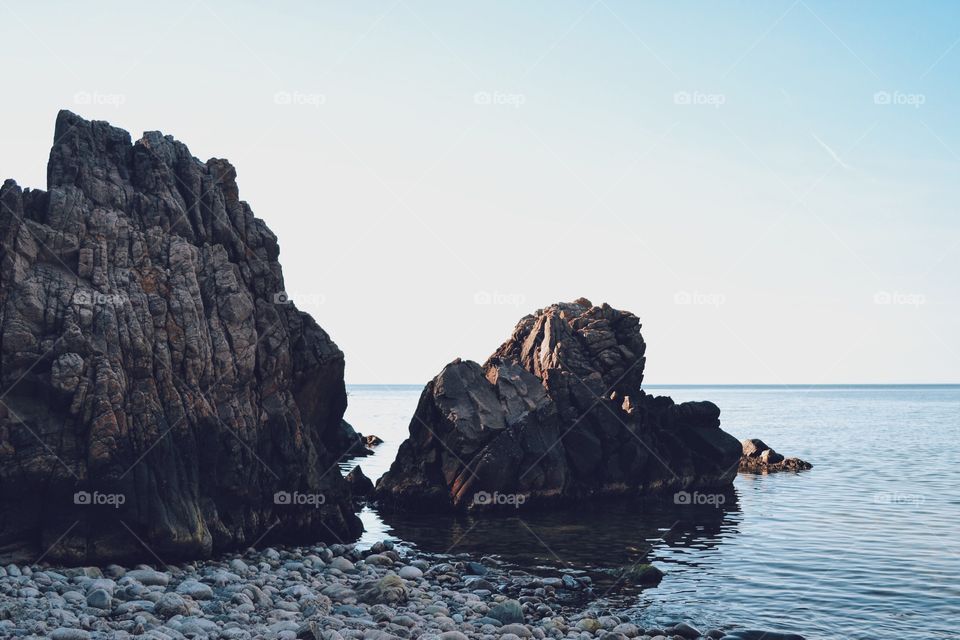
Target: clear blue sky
[772,187]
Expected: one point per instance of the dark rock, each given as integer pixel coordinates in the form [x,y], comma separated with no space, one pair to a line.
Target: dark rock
[157,384]
[360,485]
[757,457]
[642,574]
[684,630]
[753,634]
[556,413]
[345,442]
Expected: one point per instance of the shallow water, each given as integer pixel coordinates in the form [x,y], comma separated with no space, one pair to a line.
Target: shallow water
[865,545]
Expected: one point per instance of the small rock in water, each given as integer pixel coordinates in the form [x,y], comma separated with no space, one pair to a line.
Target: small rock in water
[686,631]
[754,634]
[642,574]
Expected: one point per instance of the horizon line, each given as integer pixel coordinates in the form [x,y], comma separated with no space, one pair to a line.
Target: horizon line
[724,384]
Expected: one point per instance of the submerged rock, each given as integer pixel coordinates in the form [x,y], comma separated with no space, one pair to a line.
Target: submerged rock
[642,574]
[757,457]
[556,413]
[159,388]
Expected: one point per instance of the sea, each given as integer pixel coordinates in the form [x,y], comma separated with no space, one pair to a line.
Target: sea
[865,545]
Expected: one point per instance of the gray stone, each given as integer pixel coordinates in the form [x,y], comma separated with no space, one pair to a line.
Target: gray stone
[100,599]
[171,604]
[507,612]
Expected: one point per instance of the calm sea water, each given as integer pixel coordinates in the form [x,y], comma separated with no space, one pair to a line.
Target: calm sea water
[865,545]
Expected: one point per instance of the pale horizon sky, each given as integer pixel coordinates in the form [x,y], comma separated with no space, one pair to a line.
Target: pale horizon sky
[772,188]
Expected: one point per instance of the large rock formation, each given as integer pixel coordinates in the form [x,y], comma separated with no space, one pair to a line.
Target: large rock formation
[159,396]
[556,414]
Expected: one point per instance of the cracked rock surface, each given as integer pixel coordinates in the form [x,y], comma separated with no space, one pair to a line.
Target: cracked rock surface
[157,389]
[556,414]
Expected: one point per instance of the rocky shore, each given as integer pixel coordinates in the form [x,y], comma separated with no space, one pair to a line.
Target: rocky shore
[321,592]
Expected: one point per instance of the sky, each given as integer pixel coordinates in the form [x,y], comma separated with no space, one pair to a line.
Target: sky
[771,187]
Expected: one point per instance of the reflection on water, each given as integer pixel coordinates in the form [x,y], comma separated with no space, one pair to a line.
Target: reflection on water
[863,546]
[601,536]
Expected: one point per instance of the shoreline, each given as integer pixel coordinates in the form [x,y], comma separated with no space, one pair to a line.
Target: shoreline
[319,592]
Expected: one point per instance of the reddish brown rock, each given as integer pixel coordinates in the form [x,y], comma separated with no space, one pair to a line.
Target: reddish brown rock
[757,457]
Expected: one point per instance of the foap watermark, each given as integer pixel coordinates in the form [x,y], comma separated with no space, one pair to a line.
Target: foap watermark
[699,298]
[899,98]
[95,298]
[297,499]
[302,299]
[99,99]
[899,298]
[496,499]
[899,498]
[495,297]
[98,499]
[699,98]
[297,98]
[500,98]
[699,499]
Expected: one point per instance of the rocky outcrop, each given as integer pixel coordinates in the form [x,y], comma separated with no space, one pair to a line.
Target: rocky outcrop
[757,457]
[360,485]
[159,395]
[556,414]
[346,442]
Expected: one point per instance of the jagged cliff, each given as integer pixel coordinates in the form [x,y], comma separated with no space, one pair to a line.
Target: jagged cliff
[158,393]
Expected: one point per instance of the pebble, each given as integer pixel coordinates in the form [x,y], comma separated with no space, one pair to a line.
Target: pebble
[194,589]
[63,633]
[507,612]
[149,577]
[410,573]
[171,604]
[335,592]
[100,599]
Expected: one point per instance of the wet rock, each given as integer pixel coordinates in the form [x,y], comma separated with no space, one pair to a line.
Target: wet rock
[149,351]
[642,574]
[757,457]
[360,485]
[753,634]
[684,630]
[557,413]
